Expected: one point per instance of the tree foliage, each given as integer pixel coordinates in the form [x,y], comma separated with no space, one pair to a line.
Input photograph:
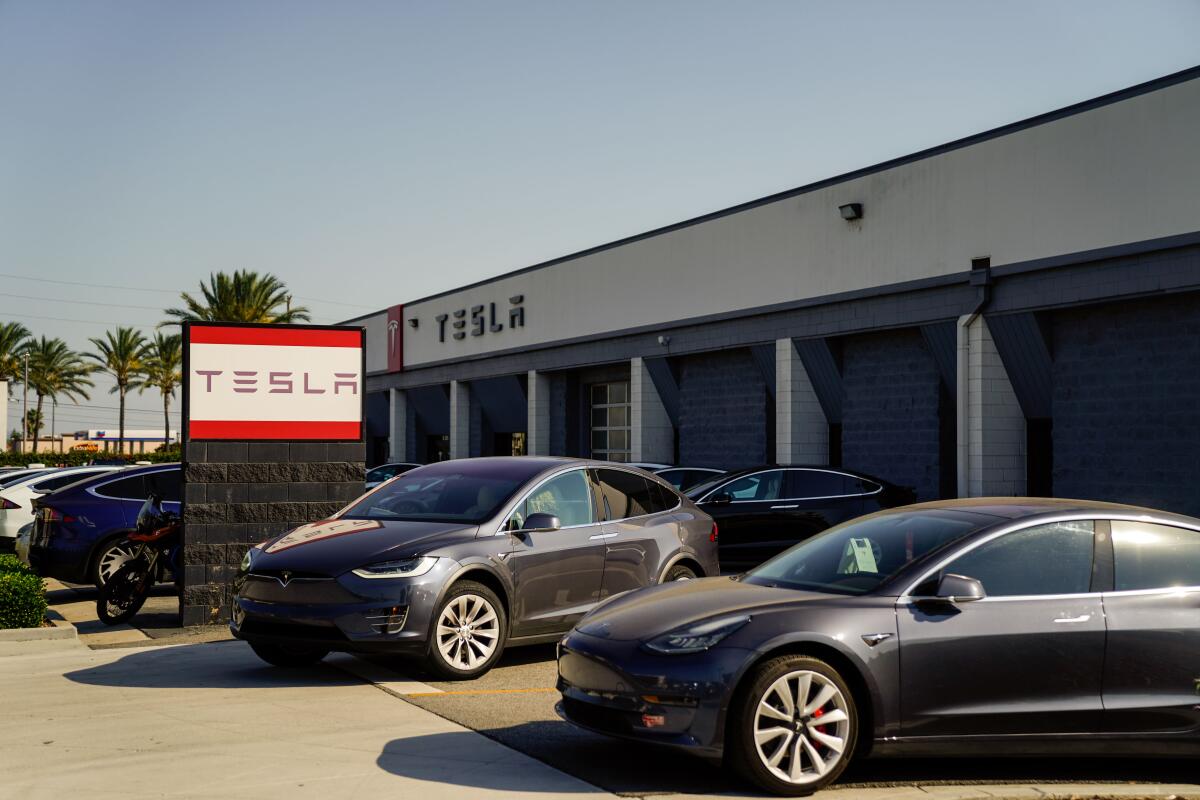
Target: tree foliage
[244,296]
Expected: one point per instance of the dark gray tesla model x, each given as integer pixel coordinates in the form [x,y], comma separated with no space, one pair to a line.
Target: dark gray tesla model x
[991,626]
[454,561]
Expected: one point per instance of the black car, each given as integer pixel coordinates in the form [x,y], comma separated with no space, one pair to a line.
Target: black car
[991,626]
[765,510]
[454,561]
[684,478]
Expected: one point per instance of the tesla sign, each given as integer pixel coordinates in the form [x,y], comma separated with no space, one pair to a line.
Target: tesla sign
[270,382]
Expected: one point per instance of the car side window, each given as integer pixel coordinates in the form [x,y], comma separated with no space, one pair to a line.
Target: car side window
[628,495]
[1045,559]
[567,496]
[131,488]
[815,483]
[761,486]
[1149,556]
[167,484]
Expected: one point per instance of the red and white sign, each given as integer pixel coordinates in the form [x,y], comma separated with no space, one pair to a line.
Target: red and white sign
[274,382]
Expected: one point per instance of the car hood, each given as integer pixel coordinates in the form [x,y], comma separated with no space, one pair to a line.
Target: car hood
[649,612]
[334,546]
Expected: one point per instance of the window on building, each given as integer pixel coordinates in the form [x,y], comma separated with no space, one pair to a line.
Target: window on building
[610,421]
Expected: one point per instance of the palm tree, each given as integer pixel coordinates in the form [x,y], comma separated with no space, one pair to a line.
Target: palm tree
[56,370]
[13,339]
[163,361]
[119,354]
[34,424]
[243,297]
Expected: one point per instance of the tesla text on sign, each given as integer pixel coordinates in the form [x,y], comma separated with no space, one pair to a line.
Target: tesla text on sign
[274,382]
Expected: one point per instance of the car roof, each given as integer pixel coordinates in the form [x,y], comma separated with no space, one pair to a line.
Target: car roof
[1023,507]
[822,467]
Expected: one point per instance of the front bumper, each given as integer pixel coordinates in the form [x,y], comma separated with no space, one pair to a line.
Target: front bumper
[616,688]
[347,613]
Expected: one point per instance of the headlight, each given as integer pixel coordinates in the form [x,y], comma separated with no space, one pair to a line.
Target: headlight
[248,559]
[696,637]
[404,568]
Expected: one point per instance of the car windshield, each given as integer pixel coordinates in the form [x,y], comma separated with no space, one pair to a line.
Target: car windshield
[857,557]
[697,491]
[444,496]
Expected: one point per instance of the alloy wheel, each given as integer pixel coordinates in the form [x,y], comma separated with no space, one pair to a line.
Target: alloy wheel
[468,631]
[801,727]
[112,559]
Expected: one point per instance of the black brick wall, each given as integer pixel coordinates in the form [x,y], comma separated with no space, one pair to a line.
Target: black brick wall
[723,411]
[890,415]
[238,493]
[1127,403]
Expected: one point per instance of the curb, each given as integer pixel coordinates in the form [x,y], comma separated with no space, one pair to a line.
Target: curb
[1028,791]
[61,630]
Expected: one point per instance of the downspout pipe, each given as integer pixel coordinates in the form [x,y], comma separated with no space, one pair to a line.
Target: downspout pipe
[981,279]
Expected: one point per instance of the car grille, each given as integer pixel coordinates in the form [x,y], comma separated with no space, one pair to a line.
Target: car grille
[299,590]
[595,717]
[291,630]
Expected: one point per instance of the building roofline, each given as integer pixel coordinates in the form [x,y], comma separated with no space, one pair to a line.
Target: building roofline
[1183,76]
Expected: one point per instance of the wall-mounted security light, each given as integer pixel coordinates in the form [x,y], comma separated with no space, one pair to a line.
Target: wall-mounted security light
[851,211]
[412,322]
[664,340]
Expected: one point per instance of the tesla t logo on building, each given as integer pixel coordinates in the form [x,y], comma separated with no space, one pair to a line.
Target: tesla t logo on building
[274,382]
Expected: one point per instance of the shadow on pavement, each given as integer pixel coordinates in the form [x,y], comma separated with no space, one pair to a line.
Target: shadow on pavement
[214,665]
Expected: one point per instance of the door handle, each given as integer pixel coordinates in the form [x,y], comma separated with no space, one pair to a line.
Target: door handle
[793,505]
[602,536]
[1068,620]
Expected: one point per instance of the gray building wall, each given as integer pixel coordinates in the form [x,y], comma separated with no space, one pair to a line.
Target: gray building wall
[1127,402]
[890,416]
[723,420]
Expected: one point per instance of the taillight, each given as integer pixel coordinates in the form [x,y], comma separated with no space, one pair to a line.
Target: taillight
[712,537]
[54,515]
[7,504]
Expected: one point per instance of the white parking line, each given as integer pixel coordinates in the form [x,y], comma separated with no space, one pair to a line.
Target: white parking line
[379,676]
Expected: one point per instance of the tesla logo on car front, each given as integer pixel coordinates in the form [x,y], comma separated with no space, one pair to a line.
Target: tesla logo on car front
[284,578]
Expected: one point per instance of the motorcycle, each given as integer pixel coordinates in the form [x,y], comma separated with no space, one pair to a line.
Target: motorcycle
[157,537]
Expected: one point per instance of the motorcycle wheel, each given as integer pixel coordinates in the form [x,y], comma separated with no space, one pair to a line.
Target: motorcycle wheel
[124,593]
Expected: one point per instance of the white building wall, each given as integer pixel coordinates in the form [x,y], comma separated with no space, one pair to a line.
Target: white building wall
[652,435]
[995,423]
[801,430]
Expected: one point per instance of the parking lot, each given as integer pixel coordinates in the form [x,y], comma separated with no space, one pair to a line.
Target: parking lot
[514,706]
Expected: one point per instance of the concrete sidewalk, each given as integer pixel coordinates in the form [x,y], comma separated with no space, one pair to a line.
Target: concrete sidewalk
[210,720]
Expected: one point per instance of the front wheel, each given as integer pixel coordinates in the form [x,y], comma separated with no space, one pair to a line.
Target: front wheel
[795,727]
[124,593]
[468,633]
[288,655]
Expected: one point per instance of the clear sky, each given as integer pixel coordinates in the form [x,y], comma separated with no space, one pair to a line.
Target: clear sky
[370,153]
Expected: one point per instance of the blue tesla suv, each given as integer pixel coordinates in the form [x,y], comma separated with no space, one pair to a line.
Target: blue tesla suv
[79,532]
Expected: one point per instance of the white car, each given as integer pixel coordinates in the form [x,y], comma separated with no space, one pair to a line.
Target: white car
[16,498]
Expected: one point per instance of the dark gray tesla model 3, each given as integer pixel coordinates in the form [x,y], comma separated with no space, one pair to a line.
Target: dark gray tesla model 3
[1020,626]
[454,561]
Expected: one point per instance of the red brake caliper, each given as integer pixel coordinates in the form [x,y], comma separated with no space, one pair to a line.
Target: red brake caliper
[818,713]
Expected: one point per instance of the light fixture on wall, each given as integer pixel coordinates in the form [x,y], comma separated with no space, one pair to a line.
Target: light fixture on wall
[412,322]
[851,211]
[664,340]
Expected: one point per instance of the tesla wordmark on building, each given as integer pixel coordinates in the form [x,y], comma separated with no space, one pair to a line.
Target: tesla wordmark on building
[274,382]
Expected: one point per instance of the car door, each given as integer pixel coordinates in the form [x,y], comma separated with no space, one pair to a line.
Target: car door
[1152,666]
[750,526]
[1026,659]
[557,574]
[639,527]
[812,500]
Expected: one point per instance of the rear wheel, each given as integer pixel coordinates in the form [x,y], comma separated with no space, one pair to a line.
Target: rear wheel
[795,727]
[468,632]
[113,555]
[680,573]
[124,593]
[288,655]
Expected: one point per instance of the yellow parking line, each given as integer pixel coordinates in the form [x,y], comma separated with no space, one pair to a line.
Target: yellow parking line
[481,691]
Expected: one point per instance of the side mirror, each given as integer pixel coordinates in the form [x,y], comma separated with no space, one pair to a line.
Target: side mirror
[541,523]
[721,499]
[959,589]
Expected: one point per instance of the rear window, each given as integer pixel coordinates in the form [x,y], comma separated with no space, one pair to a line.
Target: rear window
[131,488]
[629,495]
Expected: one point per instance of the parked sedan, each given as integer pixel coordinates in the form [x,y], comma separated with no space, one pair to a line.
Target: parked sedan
[16,498]
[1024,626]
[384,472]
[80,531]
[684,478]
[454,561]
[766,510]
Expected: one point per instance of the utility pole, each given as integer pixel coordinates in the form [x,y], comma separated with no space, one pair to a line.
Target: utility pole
[25,408]
[53,416]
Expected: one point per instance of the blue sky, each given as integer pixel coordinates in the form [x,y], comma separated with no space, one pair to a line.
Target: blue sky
[375,152]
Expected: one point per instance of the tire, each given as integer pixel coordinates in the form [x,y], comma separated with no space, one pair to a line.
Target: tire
[110,557]
[776,685]
[123,595]
[459,651]
[680,573]
[288,656]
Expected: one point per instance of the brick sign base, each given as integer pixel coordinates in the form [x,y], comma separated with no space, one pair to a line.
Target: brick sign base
[236,494]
